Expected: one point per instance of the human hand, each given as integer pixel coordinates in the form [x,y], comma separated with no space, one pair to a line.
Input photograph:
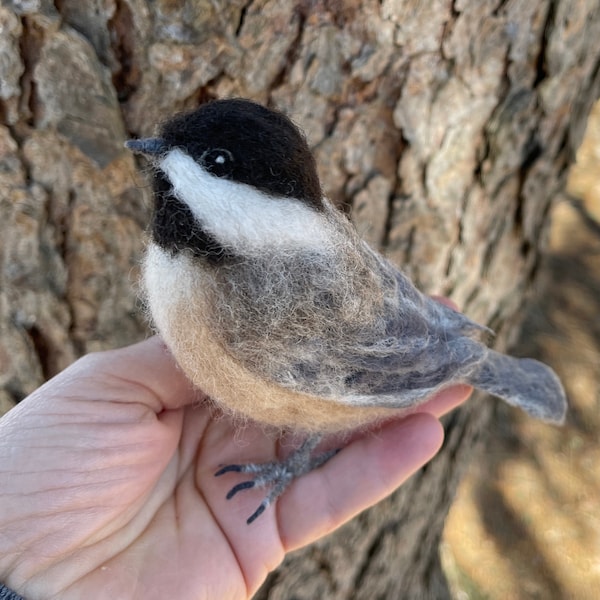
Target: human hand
[107,486]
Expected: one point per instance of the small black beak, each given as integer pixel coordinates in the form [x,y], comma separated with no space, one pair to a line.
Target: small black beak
[149,146]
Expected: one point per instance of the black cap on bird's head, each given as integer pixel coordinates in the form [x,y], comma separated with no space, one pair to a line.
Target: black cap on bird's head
[240,140]
[231,177]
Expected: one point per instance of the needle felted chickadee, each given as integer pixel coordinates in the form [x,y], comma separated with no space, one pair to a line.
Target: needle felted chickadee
[274,307]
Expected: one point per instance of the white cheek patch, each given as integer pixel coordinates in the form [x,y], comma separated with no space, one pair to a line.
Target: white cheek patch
[239,215]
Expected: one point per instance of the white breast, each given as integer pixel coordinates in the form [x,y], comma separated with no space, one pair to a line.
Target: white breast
[175,292]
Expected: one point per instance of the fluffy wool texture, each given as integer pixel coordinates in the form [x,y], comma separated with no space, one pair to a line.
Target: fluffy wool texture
[184,315]
[325,339]
[252,225]
[273,305]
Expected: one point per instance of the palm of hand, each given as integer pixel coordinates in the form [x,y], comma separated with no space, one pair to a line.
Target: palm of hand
[116,467]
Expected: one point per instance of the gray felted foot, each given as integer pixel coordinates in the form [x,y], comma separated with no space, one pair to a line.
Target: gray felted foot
[277,474]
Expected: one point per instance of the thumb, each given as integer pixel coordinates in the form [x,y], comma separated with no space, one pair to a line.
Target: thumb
[144,373]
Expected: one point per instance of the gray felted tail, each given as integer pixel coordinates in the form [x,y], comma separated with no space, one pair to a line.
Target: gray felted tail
[523,382]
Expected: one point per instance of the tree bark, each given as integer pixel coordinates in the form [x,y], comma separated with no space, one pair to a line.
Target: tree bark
[445,127]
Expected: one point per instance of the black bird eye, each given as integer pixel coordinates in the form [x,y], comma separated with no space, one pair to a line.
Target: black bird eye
[218,161]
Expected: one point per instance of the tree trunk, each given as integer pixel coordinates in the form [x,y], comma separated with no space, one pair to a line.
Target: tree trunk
[446,127]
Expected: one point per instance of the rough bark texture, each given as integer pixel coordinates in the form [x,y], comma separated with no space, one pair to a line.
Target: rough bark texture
[446,126]
[520,526]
